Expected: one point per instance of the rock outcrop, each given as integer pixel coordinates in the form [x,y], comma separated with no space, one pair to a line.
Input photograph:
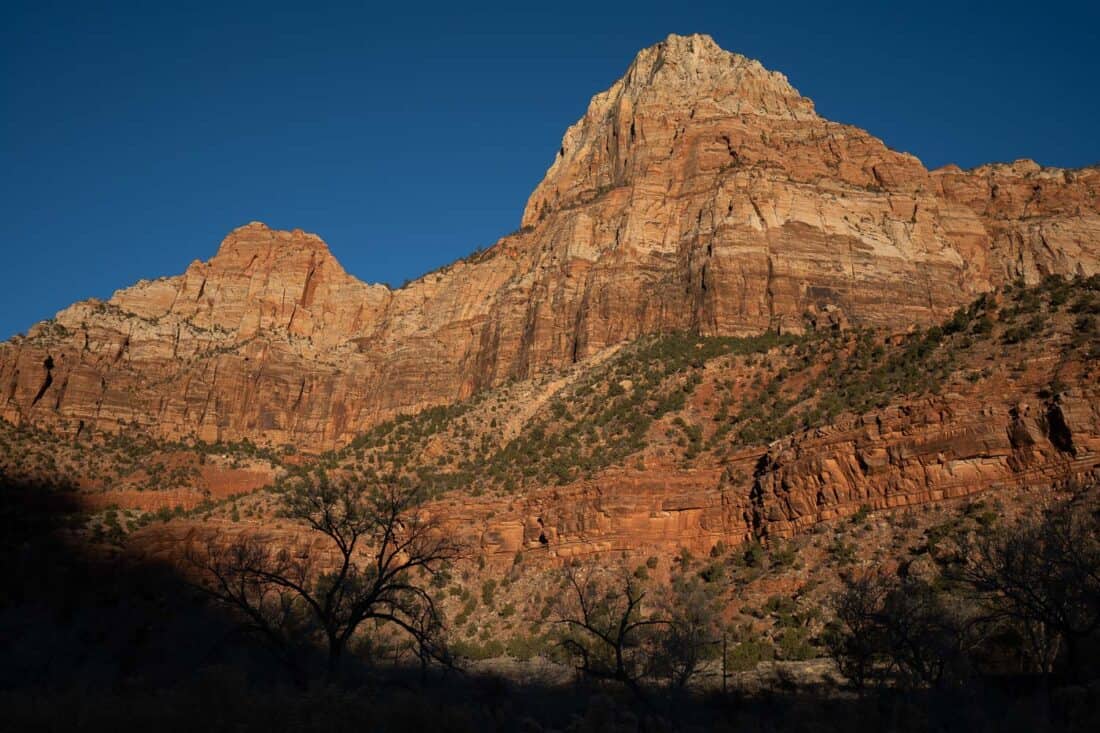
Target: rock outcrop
[700,192]
[939,449]
[928,451]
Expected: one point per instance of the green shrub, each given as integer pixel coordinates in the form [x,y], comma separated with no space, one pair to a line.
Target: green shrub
[746,655]
[488,589]
[753,555]
[794,644]
[861,514]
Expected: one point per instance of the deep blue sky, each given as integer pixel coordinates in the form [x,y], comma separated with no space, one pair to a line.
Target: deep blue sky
[132,137]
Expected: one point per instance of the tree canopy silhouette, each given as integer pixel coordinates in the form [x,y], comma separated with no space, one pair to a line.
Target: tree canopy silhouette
[369,555]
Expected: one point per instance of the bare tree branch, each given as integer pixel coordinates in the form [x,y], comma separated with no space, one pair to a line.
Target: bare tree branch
[373,544]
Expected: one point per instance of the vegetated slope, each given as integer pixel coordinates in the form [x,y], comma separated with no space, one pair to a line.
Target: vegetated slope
[700,193]
[681,401]
[754,467]
[693,440]
[952,429]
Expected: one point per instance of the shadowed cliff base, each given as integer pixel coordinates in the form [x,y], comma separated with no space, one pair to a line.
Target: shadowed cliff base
[219,699]
[95,640]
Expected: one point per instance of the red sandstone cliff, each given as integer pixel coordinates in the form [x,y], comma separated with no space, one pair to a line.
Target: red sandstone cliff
[700,191]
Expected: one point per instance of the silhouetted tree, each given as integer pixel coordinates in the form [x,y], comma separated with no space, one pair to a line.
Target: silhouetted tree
[855,639]
[900,631]
[369,556]
[1042,574]
[607,625]
[692,635]
[614,633]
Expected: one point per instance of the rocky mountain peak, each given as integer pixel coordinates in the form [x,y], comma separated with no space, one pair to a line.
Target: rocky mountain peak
[680,83]
[257,247]
[260,281]
[700,192]
[698,71]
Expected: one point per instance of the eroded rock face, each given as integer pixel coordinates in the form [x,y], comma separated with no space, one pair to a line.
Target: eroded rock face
[941,448]
[927,451]
[1036,221]
[700,191]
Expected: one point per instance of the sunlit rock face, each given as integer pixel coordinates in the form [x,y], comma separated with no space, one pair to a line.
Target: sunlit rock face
[700,191]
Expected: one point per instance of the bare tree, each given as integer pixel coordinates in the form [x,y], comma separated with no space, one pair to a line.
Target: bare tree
[693,633]
[607,625]
[235,574]
[369,558]
[1042,574]
[855,638]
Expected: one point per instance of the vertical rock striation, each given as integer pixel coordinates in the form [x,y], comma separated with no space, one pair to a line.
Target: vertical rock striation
[701,191]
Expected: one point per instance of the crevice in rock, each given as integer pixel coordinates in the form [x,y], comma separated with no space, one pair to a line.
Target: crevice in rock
[61,394]
[101,396]
[878,178]
[308,288]
[48,365]
[756,498]
[759,214]
[13,384]
[1059,432]
[769,294]
[734,157]
[122,349]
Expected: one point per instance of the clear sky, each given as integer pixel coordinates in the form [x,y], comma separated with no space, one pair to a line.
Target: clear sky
[134,136]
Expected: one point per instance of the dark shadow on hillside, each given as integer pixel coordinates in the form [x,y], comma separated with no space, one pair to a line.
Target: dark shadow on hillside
[85,615]
[91,640]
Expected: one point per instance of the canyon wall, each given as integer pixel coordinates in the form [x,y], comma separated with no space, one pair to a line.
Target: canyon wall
[700,192]
[931,450]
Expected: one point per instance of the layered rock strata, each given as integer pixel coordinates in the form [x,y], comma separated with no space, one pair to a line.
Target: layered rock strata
[700,192]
